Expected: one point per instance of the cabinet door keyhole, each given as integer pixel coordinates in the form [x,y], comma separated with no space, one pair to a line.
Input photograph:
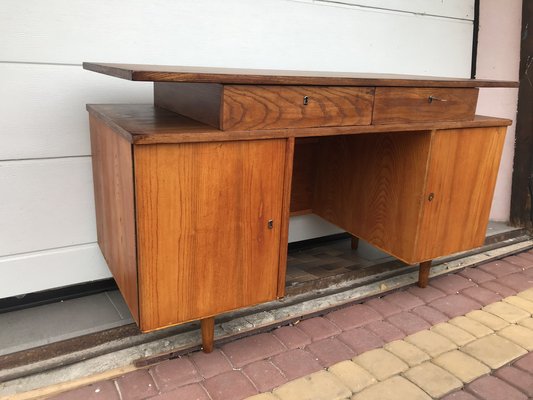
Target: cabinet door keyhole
[431,196]
[270,224]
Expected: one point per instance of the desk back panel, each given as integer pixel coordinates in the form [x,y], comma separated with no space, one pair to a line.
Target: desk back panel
[372,186]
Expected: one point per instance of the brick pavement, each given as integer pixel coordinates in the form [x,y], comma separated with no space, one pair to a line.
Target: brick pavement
[415,341]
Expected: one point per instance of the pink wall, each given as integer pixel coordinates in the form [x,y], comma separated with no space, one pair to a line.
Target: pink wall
[498,58]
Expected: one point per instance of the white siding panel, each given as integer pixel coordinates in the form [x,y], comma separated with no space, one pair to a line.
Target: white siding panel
[52,268]
[46,204]
[463,9]
[235,33]
[42,108]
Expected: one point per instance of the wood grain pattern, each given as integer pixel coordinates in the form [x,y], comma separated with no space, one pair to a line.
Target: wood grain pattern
[199,101]
[146,124]
[270,107]
[303,175]
[167,73]
[114,203]
[405,105]
[202,216]
[461,174]
[285,215]
[372,186]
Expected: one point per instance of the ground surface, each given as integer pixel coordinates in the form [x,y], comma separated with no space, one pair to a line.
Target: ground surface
[467,336]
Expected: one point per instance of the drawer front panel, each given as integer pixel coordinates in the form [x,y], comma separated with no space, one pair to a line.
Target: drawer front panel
[274,107]
[398,105]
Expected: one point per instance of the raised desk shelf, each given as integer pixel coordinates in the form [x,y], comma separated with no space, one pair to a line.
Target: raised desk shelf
[193,194]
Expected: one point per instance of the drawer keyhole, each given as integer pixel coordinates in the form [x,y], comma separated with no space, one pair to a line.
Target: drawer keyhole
[270,224]
[431,99]
[306,100]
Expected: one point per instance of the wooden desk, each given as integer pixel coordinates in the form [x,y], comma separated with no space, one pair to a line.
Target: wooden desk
[194,193]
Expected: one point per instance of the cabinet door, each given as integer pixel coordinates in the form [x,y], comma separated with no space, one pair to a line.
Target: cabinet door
[460,184]
[205,244]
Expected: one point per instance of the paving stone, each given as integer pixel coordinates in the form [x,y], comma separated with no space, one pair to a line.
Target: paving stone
[136,385]
[296,363]
[352,375]
[393,388]
[381,363]
[519,335]
[405,300]
[518,281]
[493,350]
[499,268]
[431,343]
[105,390]
[434,380]
[451,284]
[354,316]
[517,378]
[229,385]
[252,348]
[492,321]
[482,295]
[262,396]
[427,294]
[519,260]
[321,385]
[525,363]
[264,375]
[526,255]
[409,353]
[386,331]
[292,337]
[330,351]
[360,340]
[461,365]
[210,364]
[527,322]
[476,275]
[385,308]
[526,294]
[171,374]
[506,311]
[430,314]
[189,392]
[459,395]
[457,335]
[318,328]
[520,302]
[498,288]
[408,322]
[455,305]
[492,388]
[471,326]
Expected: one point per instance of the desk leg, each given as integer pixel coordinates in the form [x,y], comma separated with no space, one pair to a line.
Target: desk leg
[355,243]
[423,273]
[208,333]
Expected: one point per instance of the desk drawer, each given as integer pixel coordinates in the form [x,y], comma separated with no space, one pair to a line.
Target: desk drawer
[397,105]
[271,107]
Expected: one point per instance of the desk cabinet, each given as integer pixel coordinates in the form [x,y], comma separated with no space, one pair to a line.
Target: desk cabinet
[193,194]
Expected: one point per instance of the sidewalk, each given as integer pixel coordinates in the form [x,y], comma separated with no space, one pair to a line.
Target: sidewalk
[466,336]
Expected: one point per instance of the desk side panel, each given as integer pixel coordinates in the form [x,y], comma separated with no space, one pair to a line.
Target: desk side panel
[462,175]
[114,203]
[372,186]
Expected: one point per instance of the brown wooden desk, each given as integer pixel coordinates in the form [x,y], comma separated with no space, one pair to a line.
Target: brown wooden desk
[194,193]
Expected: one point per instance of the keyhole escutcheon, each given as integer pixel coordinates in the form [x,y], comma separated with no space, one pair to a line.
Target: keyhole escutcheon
[270,224]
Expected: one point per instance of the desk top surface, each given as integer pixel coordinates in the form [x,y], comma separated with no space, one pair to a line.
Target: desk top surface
[147,124]
[165,73]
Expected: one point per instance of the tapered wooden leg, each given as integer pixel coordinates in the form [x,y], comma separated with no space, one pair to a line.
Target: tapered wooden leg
[423,273]
[208,333]
[355,243]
